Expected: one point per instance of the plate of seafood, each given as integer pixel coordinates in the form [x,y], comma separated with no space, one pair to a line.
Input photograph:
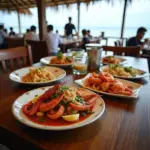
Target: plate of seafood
[37,75]
[113,60]
[106,84]
[124,72]
[58,107]
[61,60]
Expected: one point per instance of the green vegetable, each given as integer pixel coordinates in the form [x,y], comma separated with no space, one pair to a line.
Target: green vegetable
[63,89]
[36,95]
[68,58]
[110,57]
[79,99]
[42,119]
[83,114]
[55,95]
[128,69]
[63,102]
[59,55]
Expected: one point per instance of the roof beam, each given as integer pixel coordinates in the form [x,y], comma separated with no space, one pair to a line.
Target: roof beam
[14,4]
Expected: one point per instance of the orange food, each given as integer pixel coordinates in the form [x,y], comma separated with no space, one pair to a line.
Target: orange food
[105,82]
[61,60]
[60,101]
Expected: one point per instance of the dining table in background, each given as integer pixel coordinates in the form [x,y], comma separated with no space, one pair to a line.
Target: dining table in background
[125,124]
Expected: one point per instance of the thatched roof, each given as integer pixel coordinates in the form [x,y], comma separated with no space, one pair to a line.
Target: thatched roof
[22,6]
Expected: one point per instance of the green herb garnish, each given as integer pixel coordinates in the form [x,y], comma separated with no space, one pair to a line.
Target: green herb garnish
[68,58]
[42,119]
[63,89]
[63,102]
[59,55]
[36,95]
[128,69]
[83,114]
[79,99]
[55,95]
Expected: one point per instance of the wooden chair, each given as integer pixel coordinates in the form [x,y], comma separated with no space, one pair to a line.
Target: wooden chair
[127,51]
[15,42]
[118,43]
[13,58]
[39,50]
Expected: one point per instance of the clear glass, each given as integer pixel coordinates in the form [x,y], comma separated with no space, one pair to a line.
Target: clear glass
[80,65]
[75,52]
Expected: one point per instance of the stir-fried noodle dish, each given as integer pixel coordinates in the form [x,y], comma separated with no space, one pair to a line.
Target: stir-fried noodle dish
[38,75]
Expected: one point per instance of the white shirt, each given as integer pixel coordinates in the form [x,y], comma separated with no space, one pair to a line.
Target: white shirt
[31,36]
[53,40]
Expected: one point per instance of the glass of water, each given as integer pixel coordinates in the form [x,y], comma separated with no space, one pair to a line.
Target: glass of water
[80,65]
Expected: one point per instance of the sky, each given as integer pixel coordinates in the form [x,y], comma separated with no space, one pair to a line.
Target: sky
[100,15]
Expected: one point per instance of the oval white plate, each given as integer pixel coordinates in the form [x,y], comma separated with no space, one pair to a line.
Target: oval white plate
[124,61]
[136,87]
[137,77]
[18,74]
[46,61]
[26,97]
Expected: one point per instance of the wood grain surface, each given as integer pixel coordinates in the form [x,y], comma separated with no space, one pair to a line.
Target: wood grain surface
[125,124]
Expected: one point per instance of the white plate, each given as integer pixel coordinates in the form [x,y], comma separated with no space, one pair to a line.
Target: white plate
[18,74]
[124,61]
[46,61]
[145,74]
[136,87]
[26,97]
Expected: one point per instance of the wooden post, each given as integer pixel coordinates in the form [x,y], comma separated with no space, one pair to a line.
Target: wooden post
[78,5]
[41,17]
[19,23]
[123,18]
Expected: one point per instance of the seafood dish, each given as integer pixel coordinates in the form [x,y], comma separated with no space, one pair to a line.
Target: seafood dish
[122,71]
[61,59]
[60,104]
[112,60]
[38,75]
[107,83]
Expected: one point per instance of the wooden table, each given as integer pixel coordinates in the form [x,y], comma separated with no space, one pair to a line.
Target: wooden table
[125,124]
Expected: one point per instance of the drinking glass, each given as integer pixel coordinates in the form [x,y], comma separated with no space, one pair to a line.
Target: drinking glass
[75,52]
[80,65]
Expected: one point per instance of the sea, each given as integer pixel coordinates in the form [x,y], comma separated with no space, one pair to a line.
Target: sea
[109,31]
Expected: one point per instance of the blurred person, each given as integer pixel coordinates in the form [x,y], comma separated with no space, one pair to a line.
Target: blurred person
[85,39]
[3,36]
[28,30]
[6,31]
[136,41]
[69,27]
[89,34]
[31,35]
[12,33]
[53,40]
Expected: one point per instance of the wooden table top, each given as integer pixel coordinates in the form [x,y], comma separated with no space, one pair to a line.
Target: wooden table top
[125,124]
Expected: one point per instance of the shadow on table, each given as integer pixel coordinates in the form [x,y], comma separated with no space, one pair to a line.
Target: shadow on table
[128,105]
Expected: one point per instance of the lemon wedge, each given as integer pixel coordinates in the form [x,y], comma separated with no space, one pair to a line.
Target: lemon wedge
[34,99]
[71,118]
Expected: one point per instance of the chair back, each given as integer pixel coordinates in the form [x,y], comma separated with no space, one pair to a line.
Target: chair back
[13,58]
[15,42]
[118,43]
[39,50]
[127,51]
